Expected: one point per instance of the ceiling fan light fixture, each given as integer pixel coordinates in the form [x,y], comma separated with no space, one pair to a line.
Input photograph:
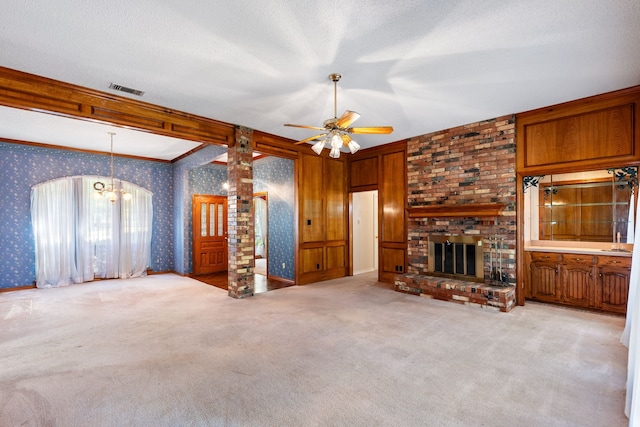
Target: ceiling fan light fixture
[337,130]
[318,146]
[353,146]
[336,141]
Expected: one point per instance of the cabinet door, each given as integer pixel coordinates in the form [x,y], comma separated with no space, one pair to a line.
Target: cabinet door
[578,287]
[614,283]
[544,283]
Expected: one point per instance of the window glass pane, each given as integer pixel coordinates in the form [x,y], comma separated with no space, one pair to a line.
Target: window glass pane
[212,219]
[203,219]
[220,220]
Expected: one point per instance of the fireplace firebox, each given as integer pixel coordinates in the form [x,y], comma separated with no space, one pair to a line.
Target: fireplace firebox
[457,257]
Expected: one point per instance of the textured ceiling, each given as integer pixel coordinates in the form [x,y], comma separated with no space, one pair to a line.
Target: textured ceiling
[417,65]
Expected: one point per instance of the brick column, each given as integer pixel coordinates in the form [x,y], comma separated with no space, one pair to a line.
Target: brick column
[240,217]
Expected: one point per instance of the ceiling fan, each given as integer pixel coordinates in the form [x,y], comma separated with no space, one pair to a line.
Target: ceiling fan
[336,130]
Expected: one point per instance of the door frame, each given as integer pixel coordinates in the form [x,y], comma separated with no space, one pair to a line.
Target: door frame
[265,196]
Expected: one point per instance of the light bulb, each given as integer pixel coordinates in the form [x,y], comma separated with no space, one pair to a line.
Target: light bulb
[353,146]
[111,196]
[126,196]
[318,146]
[335,153]
[336,142]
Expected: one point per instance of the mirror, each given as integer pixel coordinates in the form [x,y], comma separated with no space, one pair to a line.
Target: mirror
[593,206]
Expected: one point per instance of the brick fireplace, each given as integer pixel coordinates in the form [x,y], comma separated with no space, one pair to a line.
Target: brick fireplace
[462,182]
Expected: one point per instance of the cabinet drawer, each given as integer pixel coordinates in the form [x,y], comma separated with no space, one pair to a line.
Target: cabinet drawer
[577,259]
[544,257]
[614,261]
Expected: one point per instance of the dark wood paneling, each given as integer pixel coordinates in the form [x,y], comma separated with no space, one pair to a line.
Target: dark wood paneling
[312,260]
[393,261]
[597,135]
[589,133]
[363,172]
[393,196]
[335,197]
[336,257]
[311,199]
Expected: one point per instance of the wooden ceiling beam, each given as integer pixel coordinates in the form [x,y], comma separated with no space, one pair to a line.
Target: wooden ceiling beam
[40,94]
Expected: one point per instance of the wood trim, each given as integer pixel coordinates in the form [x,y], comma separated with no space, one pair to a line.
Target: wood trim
[79,150]
[469,210]
[35,93]
[18,288]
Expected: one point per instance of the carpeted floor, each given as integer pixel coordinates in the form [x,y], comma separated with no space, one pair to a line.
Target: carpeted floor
[171,351]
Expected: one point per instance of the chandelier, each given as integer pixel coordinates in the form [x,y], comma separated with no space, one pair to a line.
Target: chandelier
[109,191]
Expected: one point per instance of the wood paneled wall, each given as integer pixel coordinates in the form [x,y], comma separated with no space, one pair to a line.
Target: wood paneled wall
[384,169]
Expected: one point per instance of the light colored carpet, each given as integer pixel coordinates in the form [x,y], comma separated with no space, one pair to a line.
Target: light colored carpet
[171,351]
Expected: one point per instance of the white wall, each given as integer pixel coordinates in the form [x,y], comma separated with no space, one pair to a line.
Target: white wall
[365,231]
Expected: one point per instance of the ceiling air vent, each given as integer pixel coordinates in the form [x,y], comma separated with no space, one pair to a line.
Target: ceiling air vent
[126,89]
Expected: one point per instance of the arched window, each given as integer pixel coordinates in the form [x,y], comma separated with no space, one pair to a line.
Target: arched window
[80,235]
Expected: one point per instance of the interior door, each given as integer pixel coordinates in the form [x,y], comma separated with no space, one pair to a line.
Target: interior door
[209,234]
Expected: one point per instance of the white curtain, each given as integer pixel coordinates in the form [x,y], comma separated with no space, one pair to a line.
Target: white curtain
[79,236]
[135,232]
[631,336]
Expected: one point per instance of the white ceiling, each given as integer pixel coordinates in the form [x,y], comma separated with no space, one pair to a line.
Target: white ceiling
[417,65]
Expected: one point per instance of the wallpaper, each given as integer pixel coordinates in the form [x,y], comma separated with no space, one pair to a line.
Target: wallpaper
[172,184]
[23,166]
[182,199]
[207,179]
[274,176]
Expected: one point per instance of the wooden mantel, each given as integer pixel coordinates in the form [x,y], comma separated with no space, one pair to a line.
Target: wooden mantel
[467,210]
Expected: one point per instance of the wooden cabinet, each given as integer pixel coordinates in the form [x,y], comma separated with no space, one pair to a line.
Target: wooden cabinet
[544,277]
[613,277]
[579,280]
[577,285]
[584,133]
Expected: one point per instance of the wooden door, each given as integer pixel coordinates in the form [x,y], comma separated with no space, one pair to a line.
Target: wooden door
[209,234]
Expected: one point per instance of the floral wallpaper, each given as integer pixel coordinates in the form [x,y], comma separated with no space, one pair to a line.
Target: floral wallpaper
[24,165]
[182,199]
[274,176]
[172,184]
[207,179]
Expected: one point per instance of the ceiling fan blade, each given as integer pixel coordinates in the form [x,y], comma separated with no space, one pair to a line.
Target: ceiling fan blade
[305,127]
[310,138]
[346,139]
[371,130]
[347,118]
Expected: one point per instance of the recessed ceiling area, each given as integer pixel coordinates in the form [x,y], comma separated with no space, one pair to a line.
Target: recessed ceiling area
[417,65]
[48,129]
